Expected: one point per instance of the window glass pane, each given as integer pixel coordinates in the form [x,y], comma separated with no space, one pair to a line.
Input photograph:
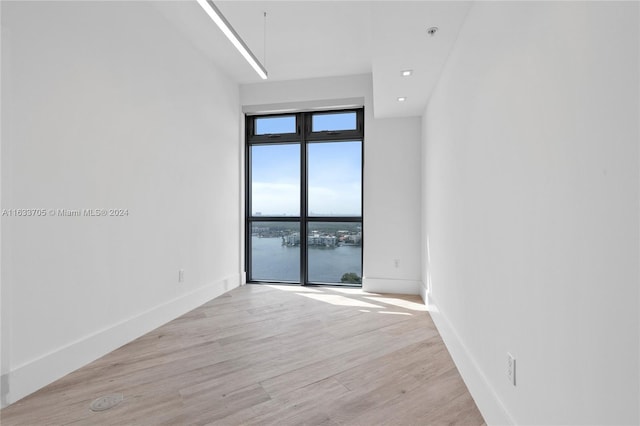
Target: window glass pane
[275,180]
[271,125]
[336,121]
[275,251]
[335,252]
[335,178]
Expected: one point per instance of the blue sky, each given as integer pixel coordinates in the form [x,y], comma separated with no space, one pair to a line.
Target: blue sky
[334,178]
[319,122]
[334,169]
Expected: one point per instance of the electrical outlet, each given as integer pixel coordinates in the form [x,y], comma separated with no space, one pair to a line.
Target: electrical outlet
[511,369]
[396,263]
[180,275]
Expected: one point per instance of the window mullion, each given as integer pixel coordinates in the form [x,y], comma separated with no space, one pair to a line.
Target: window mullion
[303,200]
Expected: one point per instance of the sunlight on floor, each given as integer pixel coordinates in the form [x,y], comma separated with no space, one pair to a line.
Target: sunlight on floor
[295,288]
[356,297]
[353,291]
[401,303]
[385,312]
[338,300]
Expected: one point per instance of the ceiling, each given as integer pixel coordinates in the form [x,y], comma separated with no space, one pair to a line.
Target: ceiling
[308,39]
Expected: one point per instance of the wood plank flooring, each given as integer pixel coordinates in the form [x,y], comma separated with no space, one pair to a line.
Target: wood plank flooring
[267,354]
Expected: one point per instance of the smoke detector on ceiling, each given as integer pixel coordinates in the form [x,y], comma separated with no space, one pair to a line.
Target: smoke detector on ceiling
[432,31]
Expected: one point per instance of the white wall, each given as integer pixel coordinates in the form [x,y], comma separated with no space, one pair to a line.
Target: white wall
[391,173]
[105,105]
[531,210]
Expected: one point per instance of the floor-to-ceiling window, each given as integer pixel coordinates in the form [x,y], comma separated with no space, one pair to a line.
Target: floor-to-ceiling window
[304,197]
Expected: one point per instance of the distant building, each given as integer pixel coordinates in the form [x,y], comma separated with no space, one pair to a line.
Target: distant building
[318,240]
[353,239]
[291,240]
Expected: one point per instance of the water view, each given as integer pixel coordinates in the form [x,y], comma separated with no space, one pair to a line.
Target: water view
[335,252]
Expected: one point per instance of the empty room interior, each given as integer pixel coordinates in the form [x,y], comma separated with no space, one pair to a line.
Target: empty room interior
[320,212]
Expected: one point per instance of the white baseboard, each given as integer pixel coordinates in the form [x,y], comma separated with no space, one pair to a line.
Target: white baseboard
[487,400]
[388,285]
[27,378]
[424,294]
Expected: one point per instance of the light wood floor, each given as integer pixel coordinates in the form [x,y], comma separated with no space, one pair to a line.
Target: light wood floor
[271,355]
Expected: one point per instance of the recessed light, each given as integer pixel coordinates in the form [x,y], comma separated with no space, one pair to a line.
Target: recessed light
[407,73]
[402,99]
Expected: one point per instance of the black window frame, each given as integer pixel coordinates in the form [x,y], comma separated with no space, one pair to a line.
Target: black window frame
[303,136]
[271,137]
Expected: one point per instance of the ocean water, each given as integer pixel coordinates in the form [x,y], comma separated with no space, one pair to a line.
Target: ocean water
[274,262]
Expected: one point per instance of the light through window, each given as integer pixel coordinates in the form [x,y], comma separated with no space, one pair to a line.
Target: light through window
[304,198]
